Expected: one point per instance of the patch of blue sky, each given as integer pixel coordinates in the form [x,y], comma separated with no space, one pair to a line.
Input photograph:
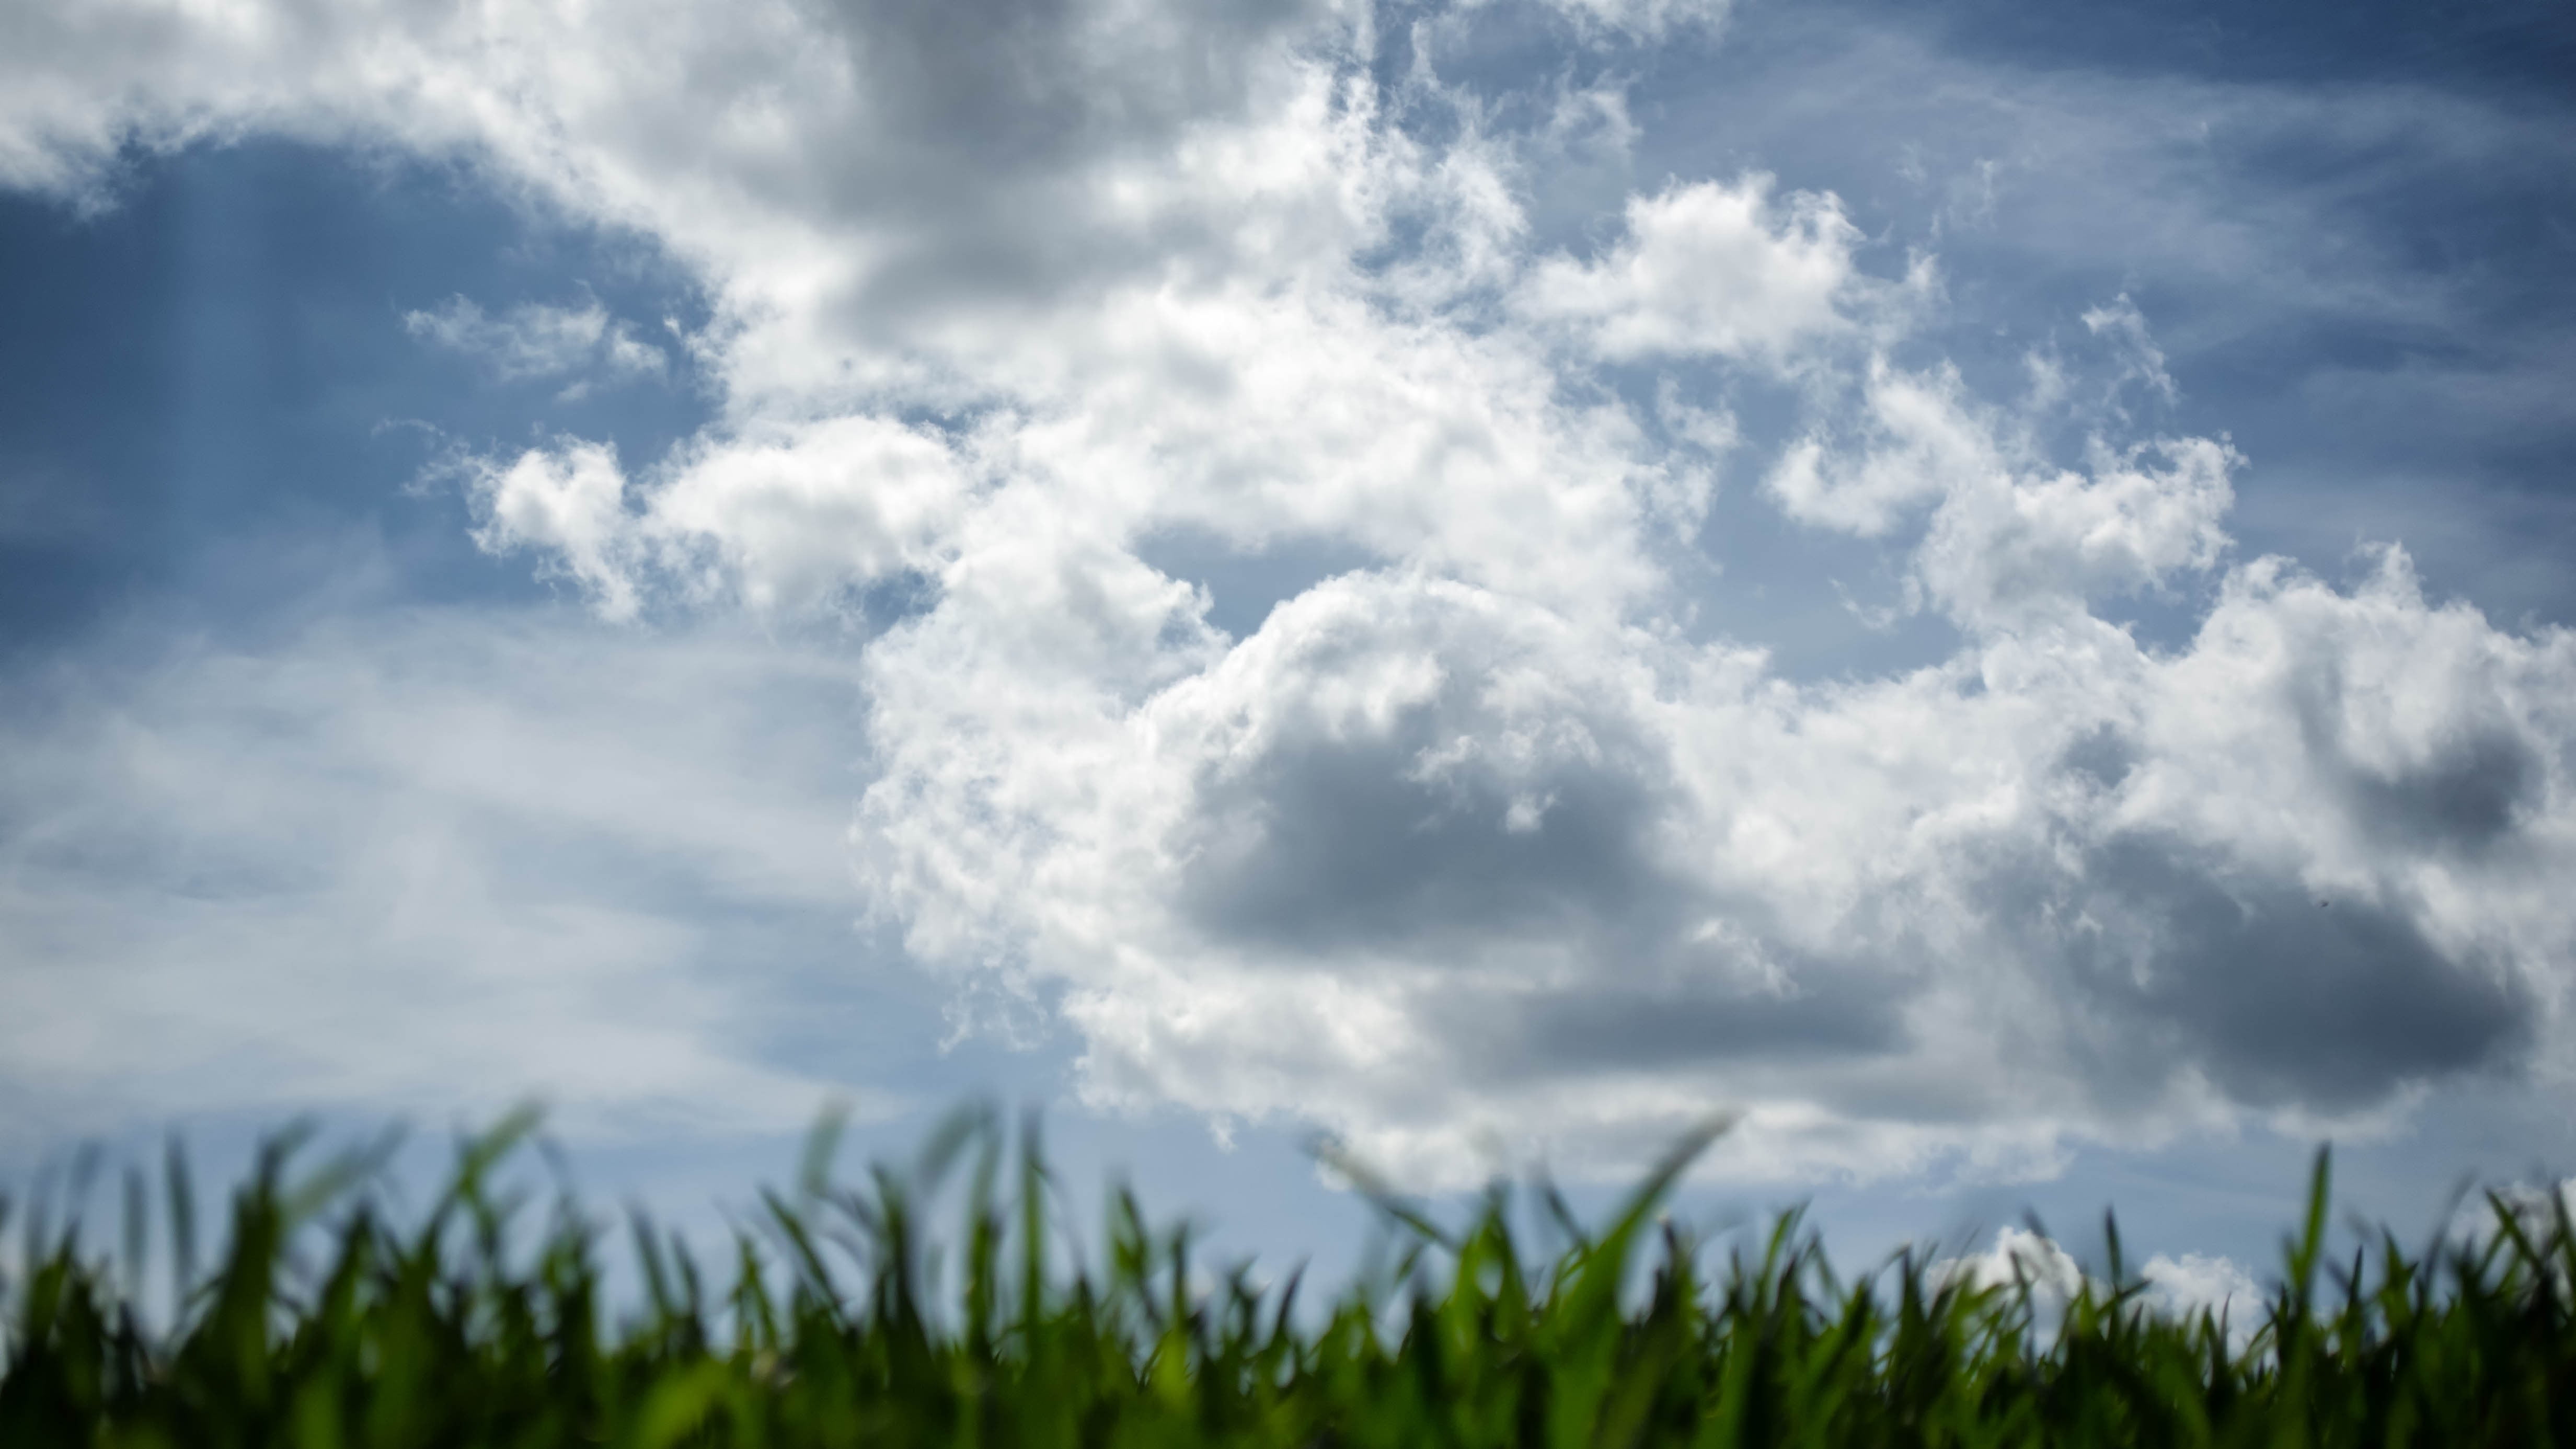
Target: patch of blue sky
[2348,237]
[210,399]
[231,560]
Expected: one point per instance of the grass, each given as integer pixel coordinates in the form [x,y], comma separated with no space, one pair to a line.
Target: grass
[324,1324]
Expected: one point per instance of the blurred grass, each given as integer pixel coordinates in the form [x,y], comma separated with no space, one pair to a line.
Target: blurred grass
[325,1325]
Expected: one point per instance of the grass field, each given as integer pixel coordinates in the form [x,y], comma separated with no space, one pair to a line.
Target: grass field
[842,1319]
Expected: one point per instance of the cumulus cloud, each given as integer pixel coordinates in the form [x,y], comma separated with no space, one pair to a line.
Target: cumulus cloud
[569,503]
[2181,1288]
[2020,1258]
[2011,535]
[1477,837]
[1709,268]
[1418,858]
[782,517]
[2198,1283]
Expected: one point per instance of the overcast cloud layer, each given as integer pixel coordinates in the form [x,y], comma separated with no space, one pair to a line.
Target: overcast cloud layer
[1039,330]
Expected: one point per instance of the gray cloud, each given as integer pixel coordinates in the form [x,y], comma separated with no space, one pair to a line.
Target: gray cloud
[1604,1026]
[1323,846]
[2469,793]
[2284,998]
[1541,866]
[986,116]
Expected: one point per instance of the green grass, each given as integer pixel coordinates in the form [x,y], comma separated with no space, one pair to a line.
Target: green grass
[324,1324]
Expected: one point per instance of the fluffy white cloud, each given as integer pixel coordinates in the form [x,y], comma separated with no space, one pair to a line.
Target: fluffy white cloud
[782,516]
[570,501]
[1710,268]
[2012,537]
[1441,866]
[2198,1283]
[2181,1288]
[1477,838]
[2020,1258]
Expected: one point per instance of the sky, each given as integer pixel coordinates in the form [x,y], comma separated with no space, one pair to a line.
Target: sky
[1978,586]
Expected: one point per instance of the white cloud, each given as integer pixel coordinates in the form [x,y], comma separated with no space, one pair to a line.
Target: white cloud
[2014,547]
[569,500]
[1924,442]
[2012,535]
[2020,1258]
[537,341]
[1477,838]
[792,514]
[780,516]
[1710,268]
[2197,1283]
[2179,1289]
[2144,361]
[1638,20]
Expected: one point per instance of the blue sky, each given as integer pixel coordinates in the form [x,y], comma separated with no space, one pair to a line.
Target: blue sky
[1980,586]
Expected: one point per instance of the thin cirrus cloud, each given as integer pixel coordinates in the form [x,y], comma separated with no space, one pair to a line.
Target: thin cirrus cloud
[1487,836]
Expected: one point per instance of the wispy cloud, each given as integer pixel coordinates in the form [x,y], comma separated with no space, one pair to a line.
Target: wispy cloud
[534,342]
[431,863]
